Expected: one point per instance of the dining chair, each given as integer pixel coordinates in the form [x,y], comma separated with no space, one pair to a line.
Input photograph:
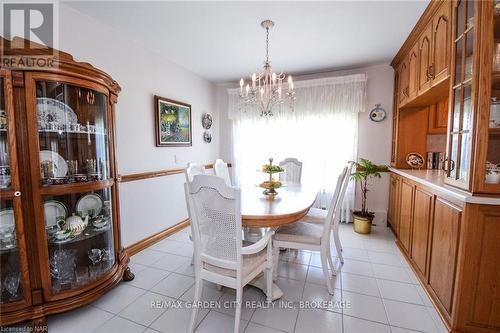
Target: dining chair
[293,170]
[222,170]
[220,255]
[302,235]
[192,170]
[318,216]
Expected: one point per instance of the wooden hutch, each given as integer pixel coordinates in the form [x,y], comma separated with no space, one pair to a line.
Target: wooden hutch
[446,100]
[60,244]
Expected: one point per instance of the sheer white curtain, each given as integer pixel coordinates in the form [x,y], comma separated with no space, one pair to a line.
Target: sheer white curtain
[321,132]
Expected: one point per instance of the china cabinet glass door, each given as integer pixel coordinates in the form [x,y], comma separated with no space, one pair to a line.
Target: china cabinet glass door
[75,182]
[11,243]
[492,164]
[460,139]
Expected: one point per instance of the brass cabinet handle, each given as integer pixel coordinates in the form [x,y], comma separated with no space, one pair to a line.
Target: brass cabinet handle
[430,71]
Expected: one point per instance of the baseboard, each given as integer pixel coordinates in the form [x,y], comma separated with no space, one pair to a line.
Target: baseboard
[153,239]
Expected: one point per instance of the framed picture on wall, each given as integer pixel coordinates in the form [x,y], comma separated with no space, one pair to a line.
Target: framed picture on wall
[173,123]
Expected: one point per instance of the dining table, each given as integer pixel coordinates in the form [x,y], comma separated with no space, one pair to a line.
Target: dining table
[261,213]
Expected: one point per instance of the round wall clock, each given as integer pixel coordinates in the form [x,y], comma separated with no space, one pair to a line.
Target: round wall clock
[377,114]
[206,121]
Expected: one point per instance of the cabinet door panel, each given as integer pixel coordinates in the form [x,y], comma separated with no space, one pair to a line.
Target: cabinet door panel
[405,215]
[421,222]
[441,44]
[413,72]
[403,82]
[424,60]
[444,249]
[394,202]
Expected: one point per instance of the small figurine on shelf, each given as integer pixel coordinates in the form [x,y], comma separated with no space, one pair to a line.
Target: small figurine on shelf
[271,185]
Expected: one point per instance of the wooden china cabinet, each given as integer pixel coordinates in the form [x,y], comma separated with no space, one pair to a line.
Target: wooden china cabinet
[60,244]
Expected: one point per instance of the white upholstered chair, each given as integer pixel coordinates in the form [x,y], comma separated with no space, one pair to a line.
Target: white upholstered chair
[318,216]
[293,170]
[192,170]
[220,257]
[222,170]
[302,235]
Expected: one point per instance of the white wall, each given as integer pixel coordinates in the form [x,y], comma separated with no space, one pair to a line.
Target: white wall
[147,206]
[374,139]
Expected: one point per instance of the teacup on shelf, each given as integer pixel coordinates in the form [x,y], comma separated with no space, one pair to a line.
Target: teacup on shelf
[80,178]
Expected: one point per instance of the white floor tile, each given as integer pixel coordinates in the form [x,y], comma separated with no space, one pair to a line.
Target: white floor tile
[209,293]
[176,320]
[146,257]
[318,321]
[174,247]
[292,289]
[148,277]
[423,295]
[395,329]
[413,277]
[81,320]
[441,327]
[354,253]
[409,316]
[171,262]
[117,299]
[256,328]
[250,295]
[316,295]
[399,291]
[186,269]
[120,325]
[391,273]
[297,257]
[135,267]
[181,236]
[360,284]
[277,317]
[292,271]
[146,308]
[356,325]
[220,323]
[173,285]
[357,267]
[364,307]
[316,259]
[384,258]
[315,275]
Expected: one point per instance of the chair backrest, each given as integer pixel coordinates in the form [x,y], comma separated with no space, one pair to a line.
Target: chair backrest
[335,219]
[222,170]
[293,170]
[332,210]
[192,170]
[215,213]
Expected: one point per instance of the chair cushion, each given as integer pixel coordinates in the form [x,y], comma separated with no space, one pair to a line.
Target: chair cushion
[249,264]
[315,215]
[300,232]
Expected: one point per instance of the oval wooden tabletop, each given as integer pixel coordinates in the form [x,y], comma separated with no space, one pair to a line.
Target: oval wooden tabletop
[290,205]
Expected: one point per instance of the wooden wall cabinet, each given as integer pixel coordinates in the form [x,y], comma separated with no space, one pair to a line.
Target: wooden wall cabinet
[413,71]
[59,137]
[441,44]
[425,60]
[438,117]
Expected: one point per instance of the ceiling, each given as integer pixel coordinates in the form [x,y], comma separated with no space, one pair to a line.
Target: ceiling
[222,41]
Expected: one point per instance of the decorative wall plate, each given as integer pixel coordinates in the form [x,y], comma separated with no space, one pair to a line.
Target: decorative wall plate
[90,201]
[377,114]
[207,137]
[206,121]
[52,110]
[54,209]
[415,160]
[61,167]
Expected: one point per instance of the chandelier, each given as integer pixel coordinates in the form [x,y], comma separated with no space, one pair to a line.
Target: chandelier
[266,89]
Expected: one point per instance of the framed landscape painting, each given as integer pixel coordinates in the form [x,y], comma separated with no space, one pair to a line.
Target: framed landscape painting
[173,123]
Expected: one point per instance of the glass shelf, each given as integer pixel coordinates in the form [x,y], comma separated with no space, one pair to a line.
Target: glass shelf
[79,231]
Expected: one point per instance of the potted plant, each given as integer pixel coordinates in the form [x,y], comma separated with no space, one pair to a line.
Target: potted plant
[365,170]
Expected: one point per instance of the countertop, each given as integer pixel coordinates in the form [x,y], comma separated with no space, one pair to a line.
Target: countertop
[435,179]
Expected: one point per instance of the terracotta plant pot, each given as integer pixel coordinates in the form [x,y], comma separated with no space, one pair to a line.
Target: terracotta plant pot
[363,224]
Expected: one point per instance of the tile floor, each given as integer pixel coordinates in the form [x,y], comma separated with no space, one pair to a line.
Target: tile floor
[376,291]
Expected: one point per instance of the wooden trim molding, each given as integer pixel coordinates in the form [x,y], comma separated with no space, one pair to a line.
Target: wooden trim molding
[158,173]
[147,242]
